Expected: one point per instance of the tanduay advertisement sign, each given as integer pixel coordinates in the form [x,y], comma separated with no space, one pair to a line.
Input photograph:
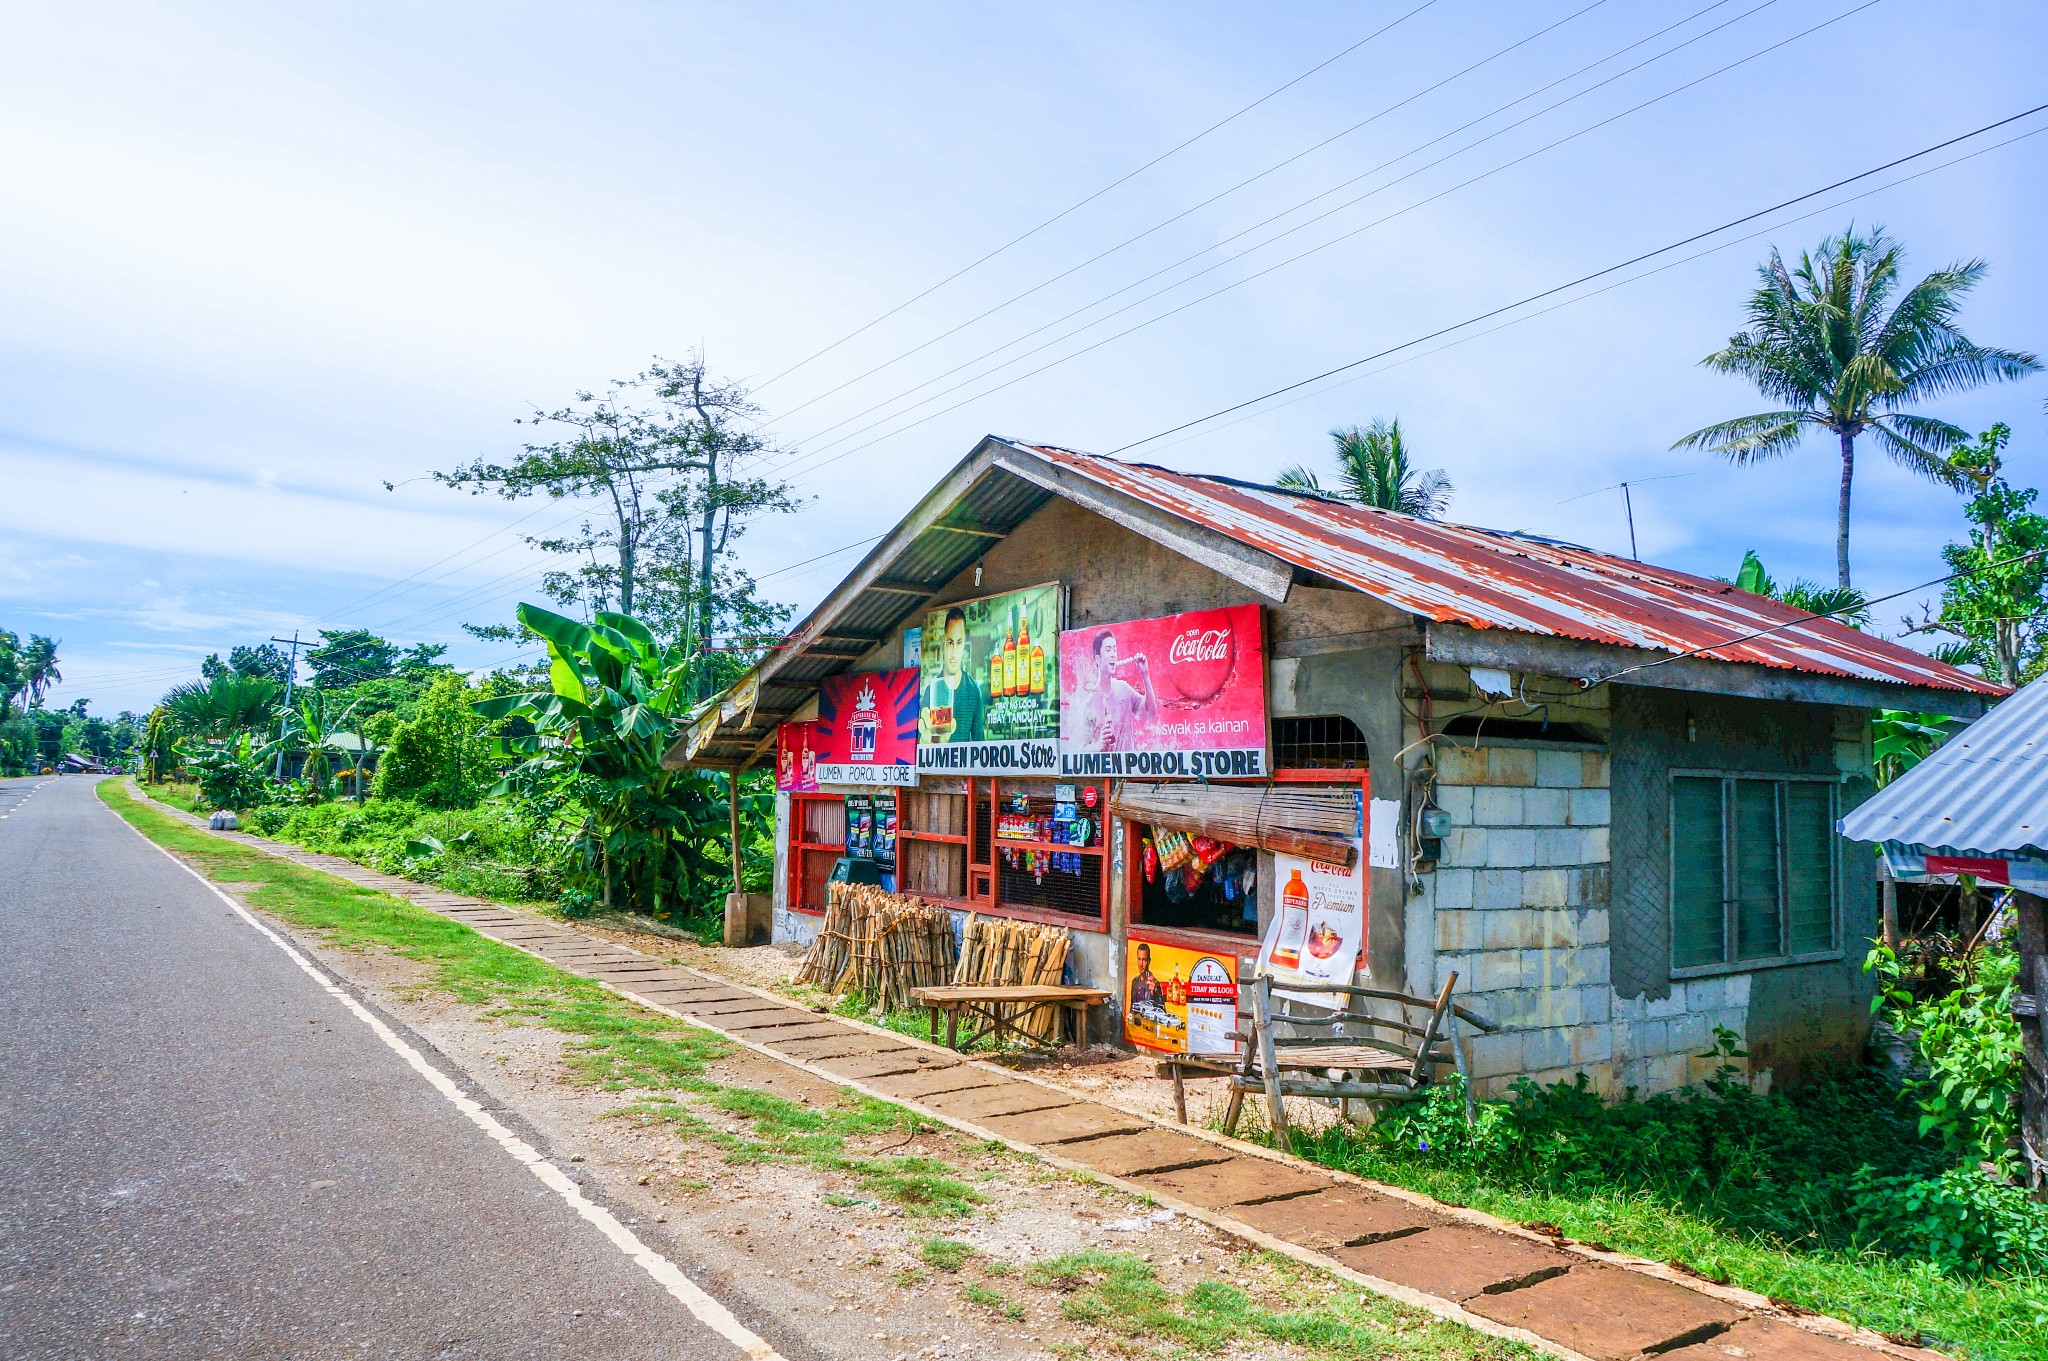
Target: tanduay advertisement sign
[1178,697]
[866,732]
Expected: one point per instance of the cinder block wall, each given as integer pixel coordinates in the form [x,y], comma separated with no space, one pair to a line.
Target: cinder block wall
[1519,904]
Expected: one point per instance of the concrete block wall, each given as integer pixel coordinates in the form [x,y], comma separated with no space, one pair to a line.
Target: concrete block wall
[1519,906]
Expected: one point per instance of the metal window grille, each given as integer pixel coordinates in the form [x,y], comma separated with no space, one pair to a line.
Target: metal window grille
[1318,742]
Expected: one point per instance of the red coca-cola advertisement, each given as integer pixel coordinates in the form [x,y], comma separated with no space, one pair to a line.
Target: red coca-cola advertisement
[867,728]
[796,758]
[1178,697]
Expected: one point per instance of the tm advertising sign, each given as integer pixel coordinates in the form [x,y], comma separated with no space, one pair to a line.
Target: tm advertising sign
[1178,697]
[989,688]
[867,728]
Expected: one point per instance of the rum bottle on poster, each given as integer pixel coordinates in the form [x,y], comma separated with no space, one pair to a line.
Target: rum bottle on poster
[995,668]
[1038,668]
[1010,656]
[1024,653]
[1287,942]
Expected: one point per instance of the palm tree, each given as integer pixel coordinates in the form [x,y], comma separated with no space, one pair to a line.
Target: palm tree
[1373,470]
[1826,339]
[39,668]
[220,708]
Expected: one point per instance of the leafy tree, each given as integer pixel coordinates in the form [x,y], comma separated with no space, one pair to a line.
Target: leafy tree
[658,453]
[1844,604]
[265,659]
[422,661]
[1996,610]
[1374,469]
[1827,340]
[13,685]
[159,744]
[346,657]
[218,709]
[641,836]
[439,757]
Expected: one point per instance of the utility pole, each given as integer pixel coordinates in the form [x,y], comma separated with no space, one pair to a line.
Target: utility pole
[291,675]
[1629,505]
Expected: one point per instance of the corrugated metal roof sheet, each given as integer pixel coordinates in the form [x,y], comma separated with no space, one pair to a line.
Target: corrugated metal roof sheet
[1489,579]
[1983,792]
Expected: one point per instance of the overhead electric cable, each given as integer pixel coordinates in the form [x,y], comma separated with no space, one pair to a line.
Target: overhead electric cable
[1729,244]
[1588,278]
[808,448]
[1095,345]
[1225,193]
[1116,183]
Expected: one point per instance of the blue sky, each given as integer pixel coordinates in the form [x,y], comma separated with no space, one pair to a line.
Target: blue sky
[262,259]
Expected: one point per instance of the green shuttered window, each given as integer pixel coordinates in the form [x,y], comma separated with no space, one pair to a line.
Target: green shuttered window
[1753,870]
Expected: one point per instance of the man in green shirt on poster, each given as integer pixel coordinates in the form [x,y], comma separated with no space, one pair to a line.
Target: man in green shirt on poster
[953,703]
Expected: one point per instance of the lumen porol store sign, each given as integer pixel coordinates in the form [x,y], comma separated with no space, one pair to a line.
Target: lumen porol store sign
[989,685]
[1178,697]
[866,732]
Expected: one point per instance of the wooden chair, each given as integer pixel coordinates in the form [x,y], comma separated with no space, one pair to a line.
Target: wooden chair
[1301,1045]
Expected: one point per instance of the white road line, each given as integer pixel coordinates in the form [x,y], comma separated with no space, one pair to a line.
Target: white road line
[708,1311]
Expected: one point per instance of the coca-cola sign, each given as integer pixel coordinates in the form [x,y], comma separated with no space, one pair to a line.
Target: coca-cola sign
[1178,697]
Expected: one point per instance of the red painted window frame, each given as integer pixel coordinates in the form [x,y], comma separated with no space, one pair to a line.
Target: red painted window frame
[793,891]
[992,905]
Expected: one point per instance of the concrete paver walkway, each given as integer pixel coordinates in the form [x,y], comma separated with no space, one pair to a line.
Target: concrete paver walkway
[1567,1299]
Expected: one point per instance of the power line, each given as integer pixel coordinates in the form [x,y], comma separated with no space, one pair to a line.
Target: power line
[1124,179]
[1619,283]
[1213,198]
[1299,256]
[1584,278]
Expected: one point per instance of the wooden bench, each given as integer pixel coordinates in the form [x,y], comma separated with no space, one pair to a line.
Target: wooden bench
[999,1009]
[1321,1041]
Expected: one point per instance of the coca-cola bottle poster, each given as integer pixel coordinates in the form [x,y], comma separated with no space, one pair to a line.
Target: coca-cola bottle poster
[1182,696]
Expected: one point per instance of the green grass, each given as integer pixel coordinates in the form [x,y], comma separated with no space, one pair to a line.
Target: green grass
[976,1293]
[1123,1294]
[944,1254]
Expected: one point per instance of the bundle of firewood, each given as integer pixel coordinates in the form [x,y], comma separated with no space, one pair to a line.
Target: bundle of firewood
[883,944]
[995,951]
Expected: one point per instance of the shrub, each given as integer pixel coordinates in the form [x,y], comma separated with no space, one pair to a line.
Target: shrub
[1961,1221]
[437,758]
[229,779]
[1968,1041]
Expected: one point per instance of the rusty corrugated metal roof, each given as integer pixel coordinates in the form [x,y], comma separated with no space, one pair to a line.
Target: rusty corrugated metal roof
[1486,578]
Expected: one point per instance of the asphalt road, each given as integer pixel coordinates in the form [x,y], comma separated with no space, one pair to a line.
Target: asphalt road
[203,1154]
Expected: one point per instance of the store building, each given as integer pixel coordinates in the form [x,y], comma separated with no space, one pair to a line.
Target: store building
[1602,792]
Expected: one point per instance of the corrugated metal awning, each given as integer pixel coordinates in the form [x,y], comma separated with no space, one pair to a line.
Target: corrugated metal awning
[1982,792]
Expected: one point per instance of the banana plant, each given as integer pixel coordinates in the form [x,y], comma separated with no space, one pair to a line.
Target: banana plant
[615,696]
[312,726]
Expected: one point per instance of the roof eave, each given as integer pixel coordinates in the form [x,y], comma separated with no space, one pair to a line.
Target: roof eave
[1510,650]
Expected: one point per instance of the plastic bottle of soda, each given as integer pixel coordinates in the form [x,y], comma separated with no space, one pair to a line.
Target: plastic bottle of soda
[1293,923]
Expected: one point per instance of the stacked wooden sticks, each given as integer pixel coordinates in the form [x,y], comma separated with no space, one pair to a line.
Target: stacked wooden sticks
[996,951]
[881,943]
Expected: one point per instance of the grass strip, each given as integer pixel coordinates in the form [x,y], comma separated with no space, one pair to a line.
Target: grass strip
[614,1044]
[1122,1294]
